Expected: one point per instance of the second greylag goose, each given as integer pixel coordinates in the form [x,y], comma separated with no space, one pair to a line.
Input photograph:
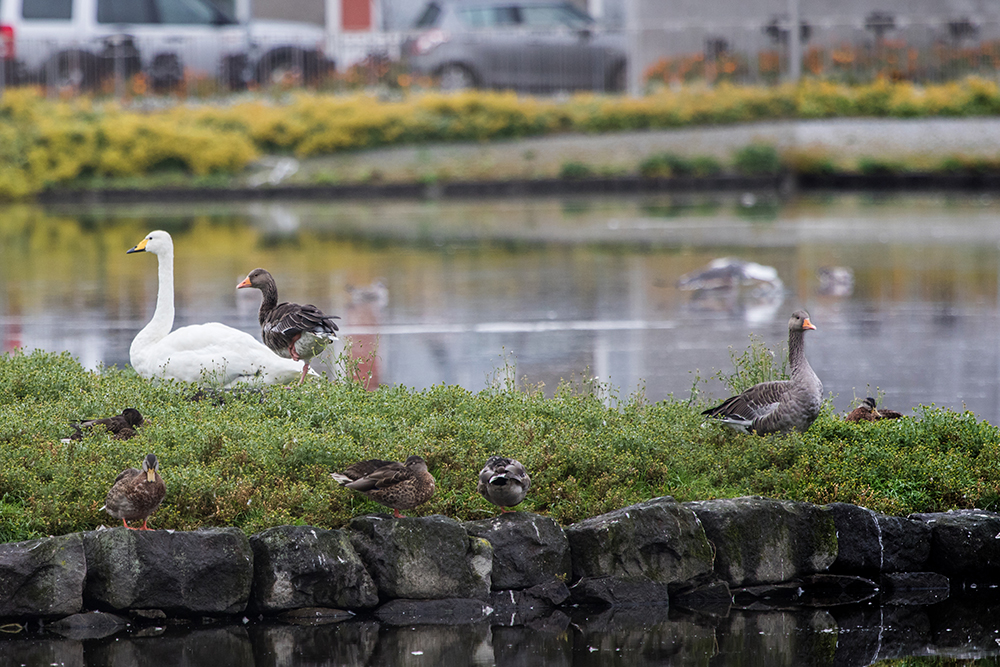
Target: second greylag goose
[401,486]
[782,405]
[504,482]
[198,352]
[291,330]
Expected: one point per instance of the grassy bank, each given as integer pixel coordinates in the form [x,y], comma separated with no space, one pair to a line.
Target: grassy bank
[47,144]
[262,458]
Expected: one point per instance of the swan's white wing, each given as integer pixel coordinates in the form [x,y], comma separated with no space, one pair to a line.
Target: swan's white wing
[217,353]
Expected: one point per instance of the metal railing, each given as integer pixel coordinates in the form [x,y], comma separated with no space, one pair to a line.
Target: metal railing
[666,55]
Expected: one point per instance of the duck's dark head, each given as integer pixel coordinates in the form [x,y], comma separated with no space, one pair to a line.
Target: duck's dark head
[150,466]
[256,278]
[416,463]
[132,416]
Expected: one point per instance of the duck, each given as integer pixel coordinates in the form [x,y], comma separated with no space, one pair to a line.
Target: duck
[136,494]
[291,330]
[778,406]
[867,412]
[504,482]
[401,486]
[212,351]
[121,427]
[730,273]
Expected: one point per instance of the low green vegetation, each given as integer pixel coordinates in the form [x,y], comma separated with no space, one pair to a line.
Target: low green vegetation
[255,458]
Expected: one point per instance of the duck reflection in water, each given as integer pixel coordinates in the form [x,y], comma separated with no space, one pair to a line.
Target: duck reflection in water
[731,285]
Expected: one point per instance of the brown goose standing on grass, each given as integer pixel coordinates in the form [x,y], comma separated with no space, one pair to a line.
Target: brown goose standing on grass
[782,405]
[121,427]
[867,412]
[292,330]
[136,493]
[401,486]
[504,482]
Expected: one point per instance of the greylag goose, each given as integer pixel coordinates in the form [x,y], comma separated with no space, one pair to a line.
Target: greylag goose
[504,482]
[136,493]
[867,412]
[401,486]
[211,351]
[781,405]
[291,330]
[121,427]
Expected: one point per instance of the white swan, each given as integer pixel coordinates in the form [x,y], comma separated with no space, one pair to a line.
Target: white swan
[212,351]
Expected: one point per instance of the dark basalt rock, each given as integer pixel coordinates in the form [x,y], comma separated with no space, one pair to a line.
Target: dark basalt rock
[92,625]
[659,539]
[42,577]
[302,566]
[528,549]
[434,612]
[315,616]
[964,544]
[763,541]
[711,599]
[202,571]
[516,607]
[422,558]
[818,590]
[869,542]
[915,588]
[620,592]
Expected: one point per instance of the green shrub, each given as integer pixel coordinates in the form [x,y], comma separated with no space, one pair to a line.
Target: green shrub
[575,170]
[757,160]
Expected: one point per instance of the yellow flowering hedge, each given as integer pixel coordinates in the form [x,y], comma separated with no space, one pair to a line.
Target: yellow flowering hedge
[45,143]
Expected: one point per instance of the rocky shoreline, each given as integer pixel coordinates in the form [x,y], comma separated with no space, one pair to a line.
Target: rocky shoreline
[707,556]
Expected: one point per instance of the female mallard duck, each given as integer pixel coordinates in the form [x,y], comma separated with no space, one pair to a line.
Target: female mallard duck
[401,486]
[136,493]
[867,412]
[782,405]
[121,427]
[192,353]
[504,482]
[291,330]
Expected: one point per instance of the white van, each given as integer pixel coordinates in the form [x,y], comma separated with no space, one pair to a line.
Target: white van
[81,43]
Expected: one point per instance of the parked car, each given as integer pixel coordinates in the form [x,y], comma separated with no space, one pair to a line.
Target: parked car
[82,42]
[536,45]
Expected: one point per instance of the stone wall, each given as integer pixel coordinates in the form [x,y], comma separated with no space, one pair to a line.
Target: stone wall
[710,556]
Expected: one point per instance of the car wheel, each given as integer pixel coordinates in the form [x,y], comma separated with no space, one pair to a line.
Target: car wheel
[617,80]
[289,64]
[165,72]
[235,72]
[71,69]
[454,76]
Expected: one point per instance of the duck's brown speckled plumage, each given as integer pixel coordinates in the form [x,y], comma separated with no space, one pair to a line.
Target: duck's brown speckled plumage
[504,482]
[292,330]
[401,486]
[121,427]
[782,405]
[867,412]
[136,494]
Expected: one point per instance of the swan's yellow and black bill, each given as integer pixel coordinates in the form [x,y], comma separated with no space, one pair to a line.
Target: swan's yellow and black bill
[139,247]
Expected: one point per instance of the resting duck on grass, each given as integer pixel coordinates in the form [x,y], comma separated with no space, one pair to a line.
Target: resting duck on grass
[136,493]
[291,330]
[504,482]
[401,486]
[782,405]
[121,427]
[867,412]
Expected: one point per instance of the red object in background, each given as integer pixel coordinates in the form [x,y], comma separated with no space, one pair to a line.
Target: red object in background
[356,14]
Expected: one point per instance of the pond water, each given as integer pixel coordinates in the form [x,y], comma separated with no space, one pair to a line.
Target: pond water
[551,289]
[957,631]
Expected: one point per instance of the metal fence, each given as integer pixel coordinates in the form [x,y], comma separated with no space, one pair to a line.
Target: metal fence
[654,57]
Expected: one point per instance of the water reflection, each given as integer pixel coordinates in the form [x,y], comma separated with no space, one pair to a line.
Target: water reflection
[560,287]
[965,628]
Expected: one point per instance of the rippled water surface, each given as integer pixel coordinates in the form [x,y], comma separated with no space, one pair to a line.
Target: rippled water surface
[558,288]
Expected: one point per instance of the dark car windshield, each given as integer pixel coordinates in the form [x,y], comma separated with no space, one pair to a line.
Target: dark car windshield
[501,14]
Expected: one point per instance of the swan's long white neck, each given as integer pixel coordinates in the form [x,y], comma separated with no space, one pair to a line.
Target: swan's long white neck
[163,316]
